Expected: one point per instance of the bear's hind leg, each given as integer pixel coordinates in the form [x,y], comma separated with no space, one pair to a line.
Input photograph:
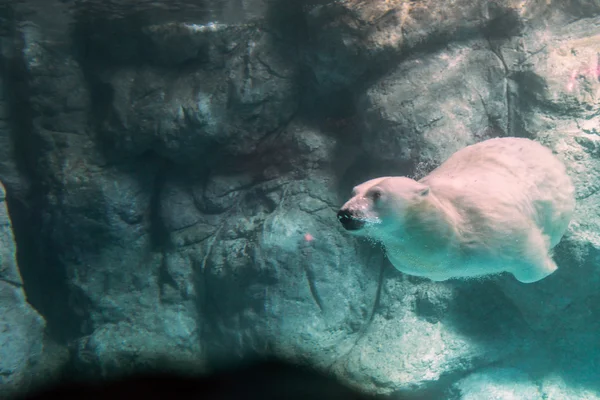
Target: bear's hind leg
[536,273]
[537,263]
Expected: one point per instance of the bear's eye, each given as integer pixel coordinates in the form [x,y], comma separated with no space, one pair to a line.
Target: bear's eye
[376,195]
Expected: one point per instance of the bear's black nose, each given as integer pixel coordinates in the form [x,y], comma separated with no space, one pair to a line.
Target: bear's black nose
[349,222]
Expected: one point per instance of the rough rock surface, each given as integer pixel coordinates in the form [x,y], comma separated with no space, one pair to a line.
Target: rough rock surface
[352,38]
[425,110]
[21,327]
[173,181]
[497,384]
[425,335]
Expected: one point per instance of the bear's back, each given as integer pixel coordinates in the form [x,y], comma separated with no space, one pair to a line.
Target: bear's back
[515,174]
[491,156]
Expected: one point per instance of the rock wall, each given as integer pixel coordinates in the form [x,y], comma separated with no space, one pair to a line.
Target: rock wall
[175,179]
[21,327]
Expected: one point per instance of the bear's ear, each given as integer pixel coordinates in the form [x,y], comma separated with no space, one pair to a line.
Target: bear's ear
[423,190]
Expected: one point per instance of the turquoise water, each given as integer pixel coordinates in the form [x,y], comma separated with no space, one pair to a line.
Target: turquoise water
[173,175]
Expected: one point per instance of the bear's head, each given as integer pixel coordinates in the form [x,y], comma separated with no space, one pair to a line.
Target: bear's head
[381,205]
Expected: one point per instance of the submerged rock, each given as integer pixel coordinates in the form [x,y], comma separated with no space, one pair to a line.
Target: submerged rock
[178,181]
[497,383]
[21,327]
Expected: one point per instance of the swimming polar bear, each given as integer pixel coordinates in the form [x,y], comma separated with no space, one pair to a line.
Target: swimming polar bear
[496,206]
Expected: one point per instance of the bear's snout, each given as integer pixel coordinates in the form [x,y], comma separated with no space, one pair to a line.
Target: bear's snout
[349,220]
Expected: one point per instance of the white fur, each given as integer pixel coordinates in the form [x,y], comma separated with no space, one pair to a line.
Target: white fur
[495,206]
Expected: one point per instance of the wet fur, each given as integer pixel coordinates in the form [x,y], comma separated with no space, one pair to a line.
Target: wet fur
[499,205]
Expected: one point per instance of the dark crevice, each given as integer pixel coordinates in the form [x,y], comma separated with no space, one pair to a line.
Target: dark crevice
[287,21]
[164,276]
[160,239]
[506,23]
[43,274]
[508,96]
[16,284]
[378,292]
[310,276]
[209,305]
[102,93]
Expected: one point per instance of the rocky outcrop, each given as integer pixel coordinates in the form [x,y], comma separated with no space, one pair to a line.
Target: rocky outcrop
[21,327]
[436,109]
[177,184]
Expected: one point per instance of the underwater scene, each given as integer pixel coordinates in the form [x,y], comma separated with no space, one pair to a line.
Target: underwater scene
[300,199]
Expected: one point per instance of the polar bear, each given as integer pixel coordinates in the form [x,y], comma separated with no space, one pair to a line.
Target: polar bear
[496,206]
